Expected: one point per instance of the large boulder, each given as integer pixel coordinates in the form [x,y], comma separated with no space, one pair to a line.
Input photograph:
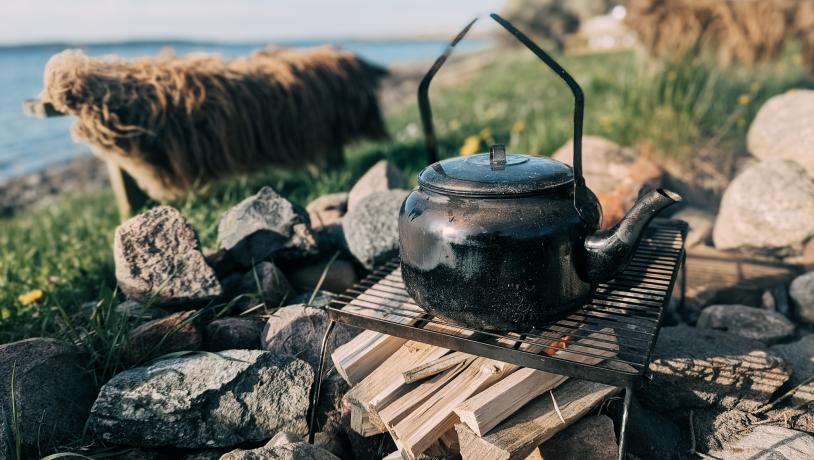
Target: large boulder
[170,334]
[266,225]
[158,260]
[767,209]
[801,292]
[383,176]
[784,129]
[614,173]
[298,330]
[235,333]
[204,401]
[53,392]
[750,322]
[264,282]
[371,227]
[800,355]
[769,443]
[694,367]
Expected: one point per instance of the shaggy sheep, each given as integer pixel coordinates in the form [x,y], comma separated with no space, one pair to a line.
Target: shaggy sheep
[177,122]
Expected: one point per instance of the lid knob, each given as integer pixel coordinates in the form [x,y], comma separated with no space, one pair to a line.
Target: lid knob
[497,155]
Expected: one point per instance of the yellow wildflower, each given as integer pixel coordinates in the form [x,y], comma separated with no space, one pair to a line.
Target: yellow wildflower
[471,146]
[5,313]
[518,127]
[744,99]
[485,133]
[30,296]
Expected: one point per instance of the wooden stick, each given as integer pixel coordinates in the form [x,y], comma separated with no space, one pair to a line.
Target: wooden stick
[520,434]
[429,421]
[434,367]
[487,409]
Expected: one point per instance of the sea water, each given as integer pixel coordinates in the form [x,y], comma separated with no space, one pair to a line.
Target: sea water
[28,144]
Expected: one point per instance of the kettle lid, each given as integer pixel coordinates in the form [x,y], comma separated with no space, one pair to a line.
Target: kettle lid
[496,173]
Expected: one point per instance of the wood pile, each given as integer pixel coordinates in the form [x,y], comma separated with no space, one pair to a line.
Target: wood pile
[435,402]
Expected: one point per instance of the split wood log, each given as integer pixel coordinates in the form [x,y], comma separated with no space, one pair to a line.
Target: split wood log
[434,367]
[360,422]
[430,420]
[520,434]
[383,382]
[487,409]
[359,357]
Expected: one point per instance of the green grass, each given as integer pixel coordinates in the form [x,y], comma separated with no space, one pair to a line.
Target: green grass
[64,249]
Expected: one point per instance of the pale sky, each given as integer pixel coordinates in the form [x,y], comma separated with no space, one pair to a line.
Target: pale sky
[26,21]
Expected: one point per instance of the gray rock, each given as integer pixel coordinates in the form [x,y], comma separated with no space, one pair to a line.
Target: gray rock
[173,333]
[158,260]
[769,443]
[266,225]
[784,129]
[754,323]
[264,282]
[204,401]
[138,311]
[694,367]
[800,355]
[282,438]
[700,223]
[233,334]
[53,393]
[371,227]
[330,202]
[340,276]
[767,209]
[801,292]
[297,330]
[292,451]
[590,438]
[383,176]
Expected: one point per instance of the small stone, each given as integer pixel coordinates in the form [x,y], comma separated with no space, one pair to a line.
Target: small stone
[297,330]
[767,209]
[340,276]
[204,401]
[371,227]
[138,311]
[383,176]
[590,438]
[801,292]
[694,367]
[700,223]
[265,282]
[330,202]
[233,334]
[293,451]
[769,443]
[158,260]
[263,226]
[53,393]
[282,438]
[800,355]
[173,333]
[782,129]
[754,323]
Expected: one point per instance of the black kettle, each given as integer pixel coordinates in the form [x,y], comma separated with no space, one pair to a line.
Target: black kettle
[506,241]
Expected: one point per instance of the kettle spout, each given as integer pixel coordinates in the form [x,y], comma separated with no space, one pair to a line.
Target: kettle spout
[609,251]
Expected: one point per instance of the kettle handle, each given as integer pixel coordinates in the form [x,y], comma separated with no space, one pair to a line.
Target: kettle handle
[579,98]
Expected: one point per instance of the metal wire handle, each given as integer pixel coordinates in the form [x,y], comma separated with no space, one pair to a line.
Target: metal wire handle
[579,98]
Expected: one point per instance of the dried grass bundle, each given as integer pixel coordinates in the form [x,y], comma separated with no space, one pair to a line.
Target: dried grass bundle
[177,122]
[746,31]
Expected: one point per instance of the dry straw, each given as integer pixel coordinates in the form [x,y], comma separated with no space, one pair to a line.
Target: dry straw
[177,122]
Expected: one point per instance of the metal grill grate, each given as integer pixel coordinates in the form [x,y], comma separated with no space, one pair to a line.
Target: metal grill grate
[627,311]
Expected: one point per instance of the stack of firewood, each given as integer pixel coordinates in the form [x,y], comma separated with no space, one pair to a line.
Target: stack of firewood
[437,402]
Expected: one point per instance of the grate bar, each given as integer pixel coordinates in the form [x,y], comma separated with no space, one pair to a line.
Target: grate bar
[628,310]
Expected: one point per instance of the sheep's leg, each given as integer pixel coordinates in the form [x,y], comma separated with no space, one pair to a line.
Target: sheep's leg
[129,197]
